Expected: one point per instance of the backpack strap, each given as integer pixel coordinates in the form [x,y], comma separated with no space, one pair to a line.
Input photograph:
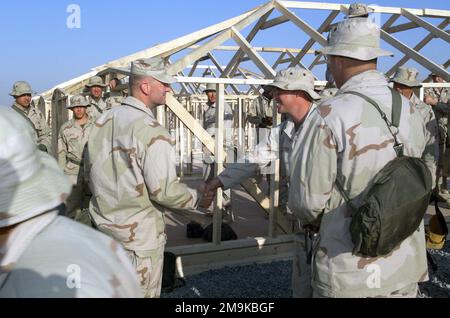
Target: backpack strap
[396,108]
[396,114]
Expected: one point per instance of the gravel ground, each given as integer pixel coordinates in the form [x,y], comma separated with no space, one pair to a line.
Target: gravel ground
[274,281]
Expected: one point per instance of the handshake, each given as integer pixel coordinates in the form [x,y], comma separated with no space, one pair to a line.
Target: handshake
[208,190]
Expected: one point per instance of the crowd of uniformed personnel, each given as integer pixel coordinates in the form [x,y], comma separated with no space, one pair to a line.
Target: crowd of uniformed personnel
[119,164]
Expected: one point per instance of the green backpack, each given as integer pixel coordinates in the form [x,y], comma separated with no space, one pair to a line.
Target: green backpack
[395,201]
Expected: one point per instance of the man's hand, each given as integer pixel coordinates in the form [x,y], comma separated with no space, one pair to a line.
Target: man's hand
[431,101]
[209,192]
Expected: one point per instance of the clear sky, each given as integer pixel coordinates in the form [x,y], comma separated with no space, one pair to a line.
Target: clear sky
[37,46]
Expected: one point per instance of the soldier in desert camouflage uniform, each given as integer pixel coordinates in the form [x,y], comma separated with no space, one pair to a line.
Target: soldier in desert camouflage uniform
[405,81]
[22,94]
[96,88]
[346,139]
[43,255]
[438,99]
[293,90]
[132,175]
[72,140]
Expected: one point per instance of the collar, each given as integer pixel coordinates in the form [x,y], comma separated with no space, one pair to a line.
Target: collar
[136,103]
[289,128]
[363,80]
[23,109]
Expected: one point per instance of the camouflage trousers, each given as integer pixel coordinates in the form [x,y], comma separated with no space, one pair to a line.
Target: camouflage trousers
[149,268]
[301,271]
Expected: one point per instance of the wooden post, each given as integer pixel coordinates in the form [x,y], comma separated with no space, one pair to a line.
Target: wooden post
[219,158]
[189,142]
[274,181]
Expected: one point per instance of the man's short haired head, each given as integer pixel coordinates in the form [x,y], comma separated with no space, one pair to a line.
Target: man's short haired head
[150,81]
[294,81]
[96,86]
[359,10]
[211,92]
[407,76]
[79,105]
[31,182]
[22,93]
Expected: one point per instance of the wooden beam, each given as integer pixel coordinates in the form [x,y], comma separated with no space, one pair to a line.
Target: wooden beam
[437,32]
[377,9]
[402,27]
[274,22]
[419,58]
[301,24]
[256,58]
[198,258]
[311,42]
[216,63]
[418,47]
[266,49]
[234,63]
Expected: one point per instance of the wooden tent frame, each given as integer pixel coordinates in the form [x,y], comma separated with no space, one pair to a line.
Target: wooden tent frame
[204,44]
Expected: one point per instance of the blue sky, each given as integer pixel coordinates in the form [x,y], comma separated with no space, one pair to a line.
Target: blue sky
[37,46]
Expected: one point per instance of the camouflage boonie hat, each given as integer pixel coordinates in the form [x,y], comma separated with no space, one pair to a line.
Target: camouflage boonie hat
[78,101]
[407,77]
[96,81]
[210,88]
[433,73]
[152,67]
[31,181]
[21,88]
[359,10]
[355,38]
[328,93]
[296,79]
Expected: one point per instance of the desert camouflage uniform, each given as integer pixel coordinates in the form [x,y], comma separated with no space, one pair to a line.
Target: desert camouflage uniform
[37,119]
[347,139]
[97,107]
[443,97]
[278,144]
[72,140]
[432,133]
[209,124]
[61,253]
[260,108]
[131,164]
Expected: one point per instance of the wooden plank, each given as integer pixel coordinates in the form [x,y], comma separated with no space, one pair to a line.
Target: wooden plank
[311,42]
[301,24]
[216,63]
[426,25]
[219,157]
[237,81]
[418,47]
[402,27]
[419,58]
[377,9]
[234,48]
[274,22]
[234,63]
[256,58]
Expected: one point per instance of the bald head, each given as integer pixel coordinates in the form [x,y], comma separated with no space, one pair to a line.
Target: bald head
[344,68]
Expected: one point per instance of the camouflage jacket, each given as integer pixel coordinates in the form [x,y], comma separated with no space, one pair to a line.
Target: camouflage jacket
[209,118]
[37,120]
[441,94]
[97,108]
[131,173]
[72,140]
[259,109]
[432,133]
[65,259]
[347,139]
